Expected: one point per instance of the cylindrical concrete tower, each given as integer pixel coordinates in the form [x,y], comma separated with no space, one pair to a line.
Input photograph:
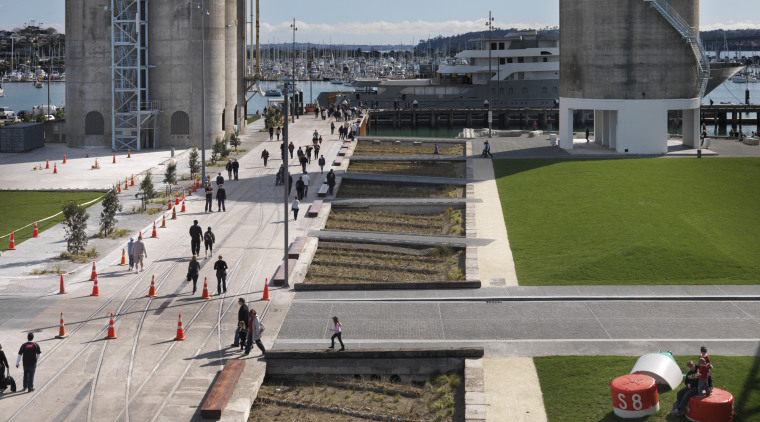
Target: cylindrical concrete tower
[631,61]
[241,55]
[88,73]
[230,66]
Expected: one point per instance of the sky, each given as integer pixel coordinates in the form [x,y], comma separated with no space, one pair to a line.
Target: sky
[391,21]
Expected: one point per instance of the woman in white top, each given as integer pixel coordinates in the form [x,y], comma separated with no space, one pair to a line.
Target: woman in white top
[295,208]
[337,330]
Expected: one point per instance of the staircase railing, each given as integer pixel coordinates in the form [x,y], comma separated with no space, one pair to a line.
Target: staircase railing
[688,33]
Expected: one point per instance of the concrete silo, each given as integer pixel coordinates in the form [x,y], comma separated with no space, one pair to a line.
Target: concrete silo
[88,73]
[230,67]
[631,61]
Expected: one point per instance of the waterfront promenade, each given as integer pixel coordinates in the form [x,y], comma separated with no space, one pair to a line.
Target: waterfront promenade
[145,375]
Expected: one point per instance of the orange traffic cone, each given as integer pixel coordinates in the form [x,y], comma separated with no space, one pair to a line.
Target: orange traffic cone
[111,329]
[64,158]
[139,234]
[152,290]
[169,205]
[190,191]
[129,153]
[62,290]
[12,245]
[174,213]
[123,257]
[36,232]
[180,331]
[183,194]
[55,169]
[183,207]
[266,290]
[87,153]
[126,185]
[132,181]
[163,221]
[118,185]
[176,199]
[94,274]
[154,234]
[114,158]
[47,163]
[205,290]
[95,290]
[61,329]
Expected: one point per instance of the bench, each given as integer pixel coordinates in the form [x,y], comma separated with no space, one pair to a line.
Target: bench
[342,151]
[314,208]
[294,251]
[279,275]
[346,144]
[338,161]
[222,390]
[322,193]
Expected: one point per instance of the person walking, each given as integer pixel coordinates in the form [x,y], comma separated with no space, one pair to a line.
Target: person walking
[278,132]
[337,330]
[435,149]
[306,182]
[330,181]
[295,207]
[265,156]
[196,232]
[235,168]
[271,133]
[332,128]
[303,162]
[139,252]
[228,167]
[254,332]
[316,150]
[5,370]
[308,153]
[221,275]
[221,196]
[587,133]
[321,164]
[192,271]
[130,244]
[219,179]
[208,241]
[209,198]
[291,147]
[30,352]
[299,187]
[486,150]
[242,317]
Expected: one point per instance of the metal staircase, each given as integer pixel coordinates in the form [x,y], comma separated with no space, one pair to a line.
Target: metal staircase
[691,35]
[132,113]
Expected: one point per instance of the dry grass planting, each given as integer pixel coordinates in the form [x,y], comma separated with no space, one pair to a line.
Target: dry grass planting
[406,150]
[361,189]
[455,169]
[447,222]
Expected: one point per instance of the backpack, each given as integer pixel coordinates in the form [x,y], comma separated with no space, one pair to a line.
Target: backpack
[208,237]
[8,382]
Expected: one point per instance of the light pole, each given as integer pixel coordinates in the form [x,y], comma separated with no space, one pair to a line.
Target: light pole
[204,13]
[285,184]
[295,103]
[490,76]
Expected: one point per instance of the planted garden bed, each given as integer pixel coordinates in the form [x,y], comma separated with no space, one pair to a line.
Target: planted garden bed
[327,398]
[342,263]
[361,189]
[427,148]
[455,169]
[447,222]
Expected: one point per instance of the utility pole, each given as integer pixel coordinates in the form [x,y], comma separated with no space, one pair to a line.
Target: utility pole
[285,185]
[295,103]
[490,76]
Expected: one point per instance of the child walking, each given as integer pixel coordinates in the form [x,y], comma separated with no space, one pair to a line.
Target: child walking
[243,334]
[337,332]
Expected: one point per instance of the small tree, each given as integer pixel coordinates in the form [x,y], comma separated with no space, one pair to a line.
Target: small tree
[273,117]
[195,164]
[146,187]
[170,176]
[75,224]
[108,215]
[235,141]
[219,149]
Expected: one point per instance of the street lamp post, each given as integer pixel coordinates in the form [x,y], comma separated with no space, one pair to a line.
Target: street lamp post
[285,184]
[490,76]
[295,103]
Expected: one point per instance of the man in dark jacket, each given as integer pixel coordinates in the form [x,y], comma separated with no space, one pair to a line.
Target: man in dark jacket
[330,181]
[235,168]
[303,161]
[221,276]
[242,316]
[265,156]
[196,232]
[321,164]
[228,167]
[209,207]
[30,352]
[221,195]
[219,179]
[299,188]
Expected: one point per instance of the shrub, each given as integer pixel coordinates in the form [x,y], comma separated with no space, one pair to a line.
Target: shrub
[170,176]
[146,187]
[75,224]
[195,165]
[235,141]
[108,215]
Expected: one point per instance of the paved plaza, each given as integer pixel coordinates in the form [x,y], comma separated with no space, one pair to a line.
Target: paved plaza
[145,375]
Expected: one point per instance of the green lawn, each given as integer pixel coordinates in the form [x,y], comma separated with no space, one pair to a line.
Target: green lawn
[632,221]
[576,388]
[17,209]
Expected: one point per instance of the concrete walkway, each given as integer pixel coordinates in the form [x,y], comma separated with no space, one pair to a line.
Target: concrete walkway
[512,389]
